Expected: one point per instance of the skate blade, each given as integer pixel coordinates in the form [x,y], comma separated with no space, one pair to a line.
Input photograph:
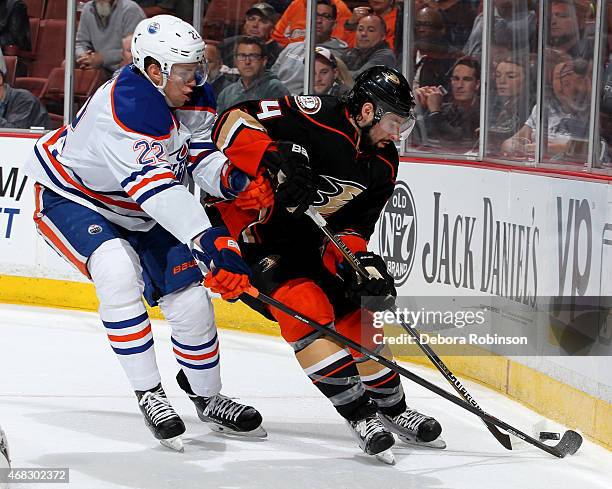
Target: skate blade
[258,432]
[386,457]
[438,443]
[175,444]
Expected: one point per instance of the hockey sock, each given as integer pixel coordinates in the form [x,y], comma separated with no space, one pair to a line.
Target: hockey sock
[129,331]
[332,370]
[194,337]
[116,272]
[385,389]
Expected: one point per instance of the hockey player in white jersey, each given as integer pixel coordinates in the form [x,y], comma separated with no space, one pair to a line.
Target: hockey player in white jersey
[110,198]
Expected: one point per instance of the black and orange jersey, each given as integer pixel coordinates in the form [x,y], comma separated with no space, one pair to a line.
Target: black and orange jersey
[355,185]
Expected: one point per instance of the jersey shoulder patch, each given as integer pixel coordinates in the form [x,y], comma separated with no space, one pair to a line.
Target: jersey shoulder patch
[309,104]
[139,107]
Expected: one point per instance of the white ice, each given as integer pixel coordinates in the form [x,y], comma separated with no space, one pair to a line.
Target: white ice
[65,402]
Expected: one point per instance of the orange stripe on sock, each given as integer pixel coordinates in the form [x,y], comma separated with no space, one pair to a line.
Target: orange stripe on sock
[130,337]
[334,371]
[204,356]
[383,382]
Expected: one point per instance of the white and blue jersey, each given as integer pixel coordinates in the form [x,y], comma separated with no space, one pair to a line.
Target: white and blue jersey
[126,156]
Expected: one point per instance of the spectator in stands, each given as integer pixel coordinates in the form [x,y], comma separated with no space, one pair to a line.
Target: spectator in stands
[255,81]
[453,125]
[291,27]
[14,25]
[371,48]
[19,109]
[103,25]
[259,22]
[126,53]
[458,16]
[327,77]
[566,112]
[178,8]
[512,102]
[514,21]
[567,24]
[219,75]
[390,11]
[434,56]
[289,67]
[126,50]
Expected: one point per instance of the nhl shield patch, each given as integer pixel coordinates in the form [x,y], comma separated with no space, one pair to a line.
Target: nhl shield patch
[94,229]
[308,103]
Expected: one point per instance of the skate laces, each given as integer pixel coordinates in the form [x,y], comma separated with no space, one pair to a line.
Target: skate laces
[367,427]
[410,419]
[157,406]
[223,407]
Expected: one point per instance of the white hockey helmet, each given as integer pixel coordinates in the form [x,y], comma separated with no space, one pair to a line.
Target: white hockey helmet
[169,41]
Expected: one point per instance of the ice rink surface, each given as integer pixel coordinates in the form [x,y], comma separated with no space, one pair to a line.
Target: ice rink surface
[65,402]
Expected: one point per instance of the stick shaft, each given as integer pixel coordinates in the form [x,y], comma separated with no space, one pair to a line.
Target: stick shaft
[502,438]
[403,372]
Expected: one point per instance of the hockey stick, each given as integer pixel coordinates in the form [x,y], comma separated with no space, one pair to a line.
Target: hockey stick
[319,220]
[570,441]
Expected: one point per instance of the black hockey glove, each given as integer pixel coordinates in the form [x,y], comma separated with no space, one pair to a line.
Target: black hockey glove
[374,294]
[297,182]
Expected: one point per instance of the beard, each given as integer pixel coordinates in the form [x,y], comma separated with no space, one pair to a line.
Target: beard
[103,9]
[367,143]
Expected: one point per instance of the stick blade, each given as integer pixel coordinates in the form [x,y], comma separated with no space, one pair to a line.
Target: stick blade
[502,438]
[569,444]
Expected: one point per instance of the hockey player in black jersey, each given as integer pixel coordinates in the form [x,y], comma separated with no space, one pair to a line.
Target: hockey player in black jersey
[338,156]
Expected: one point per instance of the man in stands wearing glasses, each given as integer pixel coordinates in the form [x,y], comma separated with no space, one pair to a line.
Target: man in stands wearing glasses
[255,81]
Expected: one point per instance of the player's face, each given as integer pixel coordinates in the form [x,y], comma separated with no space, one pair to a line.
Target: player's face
[390,128]
[324,77]
[182,80]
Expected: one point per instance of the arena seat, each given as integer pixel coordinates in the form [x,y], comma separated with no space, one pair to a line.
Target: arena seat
[11,67]
[56,9]
[223,18]
[35,8]
[48,54]
[85,83]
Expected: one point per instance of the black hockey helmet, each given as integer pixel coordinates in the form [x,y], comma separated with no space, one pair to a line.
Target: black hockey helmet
[386,88]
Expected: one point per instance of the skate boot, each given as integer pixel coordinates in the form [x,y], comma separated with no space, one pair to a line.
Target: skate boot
[224,415]
[161,418]
[373,438]
[414,428]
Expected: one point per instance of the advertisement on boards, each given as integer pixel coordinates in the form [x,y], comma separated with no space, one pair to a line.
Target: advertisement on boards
[532,251]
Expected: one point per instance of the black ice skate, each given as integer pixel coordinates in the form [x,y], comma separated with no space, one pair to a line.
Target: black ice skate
[373,438]
[224,415]
[414,428]
[161,418]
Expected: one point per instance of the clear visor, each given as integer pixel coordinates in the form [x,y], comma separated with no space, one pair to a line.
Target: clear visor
[188,73]
[397,125]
